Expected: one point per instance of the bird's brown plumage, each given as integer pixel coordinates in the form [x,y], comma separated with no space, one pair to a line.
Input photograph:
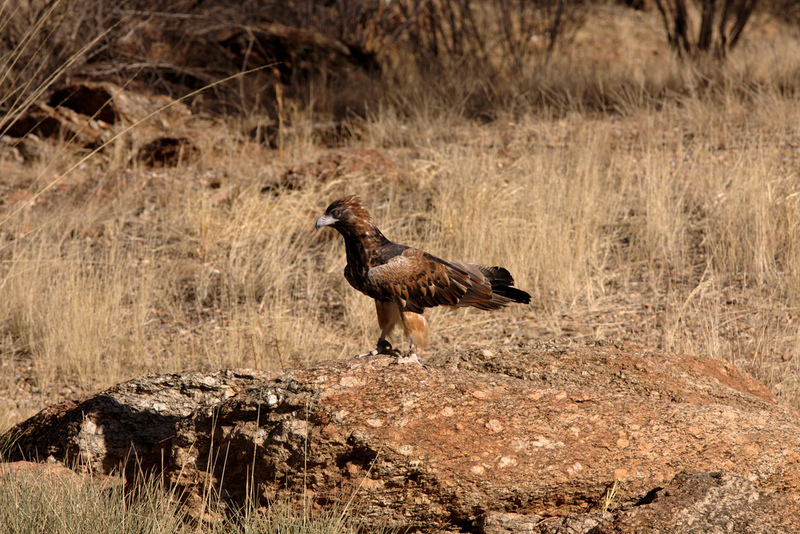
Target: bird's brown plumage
[404,280]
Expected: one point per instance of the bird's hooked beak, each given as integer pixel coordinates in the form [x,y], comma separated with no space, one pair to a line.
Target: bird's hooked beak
[326,220]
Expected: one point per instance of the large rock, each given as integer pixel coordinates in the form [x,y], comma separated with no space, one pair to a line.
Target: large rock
[441,447]
[104,432]
[545,438]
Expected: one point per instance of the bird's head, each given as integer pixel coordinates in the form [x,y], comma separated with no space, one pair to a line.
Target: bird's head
[347,214]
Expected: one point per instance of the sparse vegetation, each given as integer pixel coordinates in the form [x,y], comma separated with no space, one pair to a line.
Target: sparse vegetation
[637,198]
[56,502]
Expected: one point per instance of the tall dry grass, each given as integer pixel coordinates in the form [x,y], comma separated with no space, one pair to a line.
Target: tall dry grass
[652,204]
[57,502]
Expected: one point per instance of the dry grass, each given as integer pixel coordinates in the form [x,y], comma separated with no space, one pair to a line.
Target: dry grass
[35,500]
[56,502]
[672,218]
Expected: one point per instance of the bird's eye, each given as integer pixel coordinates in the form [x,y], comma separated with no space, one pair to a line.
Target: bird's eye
[336,214]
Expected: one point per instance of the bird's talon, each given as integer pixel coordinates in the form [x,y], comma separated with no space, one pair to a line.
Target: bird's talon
[384,347]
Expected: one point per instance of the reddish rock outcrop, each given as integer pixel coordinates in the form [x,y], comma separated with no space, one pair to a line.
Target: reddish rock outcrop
[540,437]
[440,447]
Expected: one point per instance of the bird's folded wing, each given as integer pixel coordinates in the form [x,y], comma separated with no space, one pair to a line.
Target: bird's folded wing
[416,280]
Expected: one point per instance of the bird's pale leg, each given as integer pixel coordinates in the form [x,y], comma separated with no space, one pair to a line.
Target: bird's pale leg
[388,317]
[416,328]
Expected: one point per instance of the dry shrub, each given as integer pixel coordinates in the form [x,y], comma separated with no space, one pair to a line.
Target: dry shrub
[706,26]
[345,59]
[338,58]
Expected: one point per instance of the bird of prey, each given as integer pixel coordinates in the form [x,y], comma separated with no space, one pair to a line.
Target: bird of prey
[405,280]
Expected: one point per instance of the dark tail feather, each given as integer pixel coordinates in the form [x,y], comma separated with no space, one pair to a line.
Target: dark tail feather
[502,281]
[496,274]
[517,295]
[499,281]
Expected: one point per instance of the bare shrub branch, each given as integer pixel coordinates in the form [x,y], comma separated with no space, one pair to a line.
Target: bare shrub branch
[700,28]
